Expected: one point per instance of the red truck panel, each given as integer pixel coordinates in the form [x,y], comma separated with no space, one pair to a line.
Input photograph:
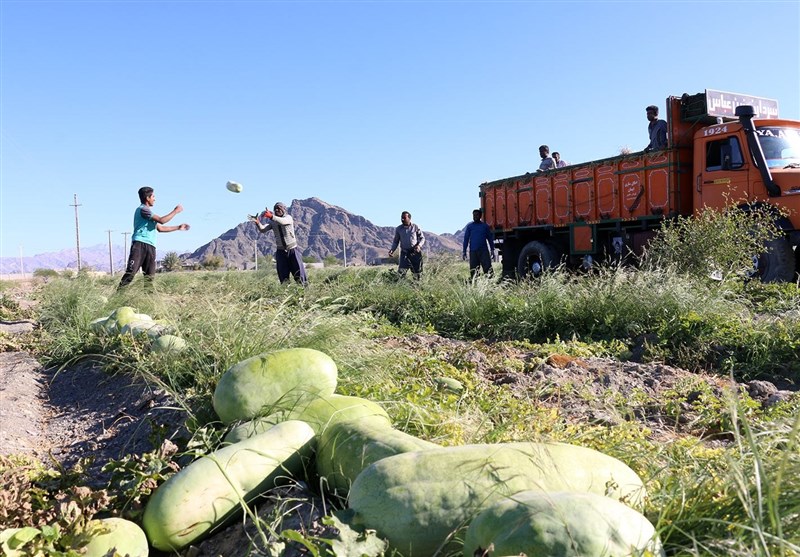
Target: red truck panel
[544,201]
[583,189]
[632,184]
[626,187]
[607,184]
[562,197]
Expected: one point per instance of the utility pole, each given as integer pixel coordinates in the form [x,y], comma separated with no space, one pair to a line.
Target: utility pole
[255,252]
[110,253]
[125,246]
[77,231]
[21,265]
[344,250]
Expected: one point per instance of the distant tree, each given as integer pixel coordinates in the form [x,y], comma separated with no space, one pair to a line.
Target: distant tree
[171,261]
[265,261]
[212,262]
[310,259]
[331,260]
[45,273]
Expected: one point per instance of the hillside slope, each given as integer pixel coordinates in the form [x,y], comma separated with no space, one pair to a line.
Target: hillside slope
[322,230]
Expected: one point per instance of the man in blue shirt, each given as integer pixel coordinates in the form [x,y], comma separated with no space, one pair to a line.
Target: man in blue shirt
[480,239]
[657,129]
[143,242]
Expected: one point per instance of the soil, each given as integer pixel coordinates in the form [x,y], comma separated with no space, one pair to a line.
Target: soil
[79,412]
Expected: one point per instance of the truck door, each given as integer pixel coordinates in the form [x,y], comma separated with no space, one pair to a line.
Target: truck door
[722,175]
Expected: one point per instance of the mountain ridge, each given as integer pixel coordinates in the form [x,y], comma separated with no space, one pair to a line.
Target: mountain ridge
[323,230]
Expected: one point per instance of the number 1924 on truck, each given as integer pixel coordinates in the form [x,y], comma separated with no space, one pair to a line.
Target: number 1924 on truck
[723,149]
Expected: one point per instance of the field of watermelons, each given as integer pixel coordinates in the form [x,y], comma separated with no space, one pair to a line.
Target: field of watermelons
[626,411]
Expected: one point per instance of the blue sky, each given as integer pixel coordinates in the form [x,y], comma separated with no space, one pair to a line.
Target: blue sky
[376,107]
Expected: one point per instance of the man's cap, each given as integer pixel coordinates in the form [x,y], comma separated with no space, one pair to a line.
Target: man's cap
[279,205]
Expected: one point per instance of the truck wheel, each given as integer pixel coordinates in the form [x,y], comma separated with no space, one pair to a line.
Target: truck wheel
[535,259]
[777,262]
[557,251]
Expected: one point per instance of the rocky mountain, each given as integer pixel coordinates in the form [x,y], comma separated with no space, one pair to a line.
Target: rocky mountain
[322,230]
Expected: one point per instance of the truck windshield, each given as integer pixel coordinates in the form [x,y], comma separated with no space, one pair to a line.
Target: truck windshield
[781,145]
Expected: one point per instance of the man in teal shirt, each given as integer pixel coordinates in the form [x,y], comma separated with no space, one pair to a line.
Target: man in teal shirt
[143,242]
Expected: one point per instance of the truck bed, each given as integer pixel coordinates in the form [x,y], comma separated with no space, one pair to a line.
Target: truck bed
[622,188]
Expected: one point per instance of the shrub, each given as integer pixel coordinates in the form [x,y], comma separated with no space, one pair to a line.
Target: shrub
[45,273]
[716,242]
[212,262]
[171,261]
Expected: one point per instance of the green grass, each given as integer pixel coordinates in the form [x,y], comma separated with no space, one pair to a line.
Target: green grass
[735,498]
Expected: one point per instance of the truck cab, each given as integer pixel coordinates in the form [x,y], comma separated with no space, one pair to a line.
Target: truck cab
[748,163]
[729,169]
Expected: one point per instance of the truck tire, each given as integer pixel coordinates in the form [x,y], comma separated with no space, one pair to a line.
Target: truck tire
[558,251]
[777,262]
[535,259]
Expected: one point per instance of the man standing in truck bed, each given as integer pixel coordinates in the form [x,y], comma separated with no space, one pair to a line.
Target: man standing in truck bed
[410,238]
[657,129]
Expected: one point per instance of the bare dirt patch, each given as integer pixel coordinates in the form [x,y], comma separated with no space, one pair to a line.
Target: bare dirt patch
[80,413]
[76,413]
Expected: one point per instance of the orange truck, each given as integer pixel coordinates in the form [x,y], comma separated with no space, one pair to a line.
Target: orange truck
[723,149]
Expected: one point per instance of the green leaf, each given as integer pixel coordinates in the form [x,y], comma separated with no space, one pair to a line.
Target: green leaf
[295,536]
[51,532]
[23,536]
[355,544]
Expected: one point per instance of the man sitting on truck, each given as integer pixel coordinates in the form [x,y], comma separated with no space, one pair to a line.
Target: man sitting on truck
[657,129]
[547,161]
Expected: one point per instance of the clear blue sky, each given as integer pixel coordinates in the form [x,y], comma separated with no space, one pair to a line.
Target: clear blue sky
[376,107]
